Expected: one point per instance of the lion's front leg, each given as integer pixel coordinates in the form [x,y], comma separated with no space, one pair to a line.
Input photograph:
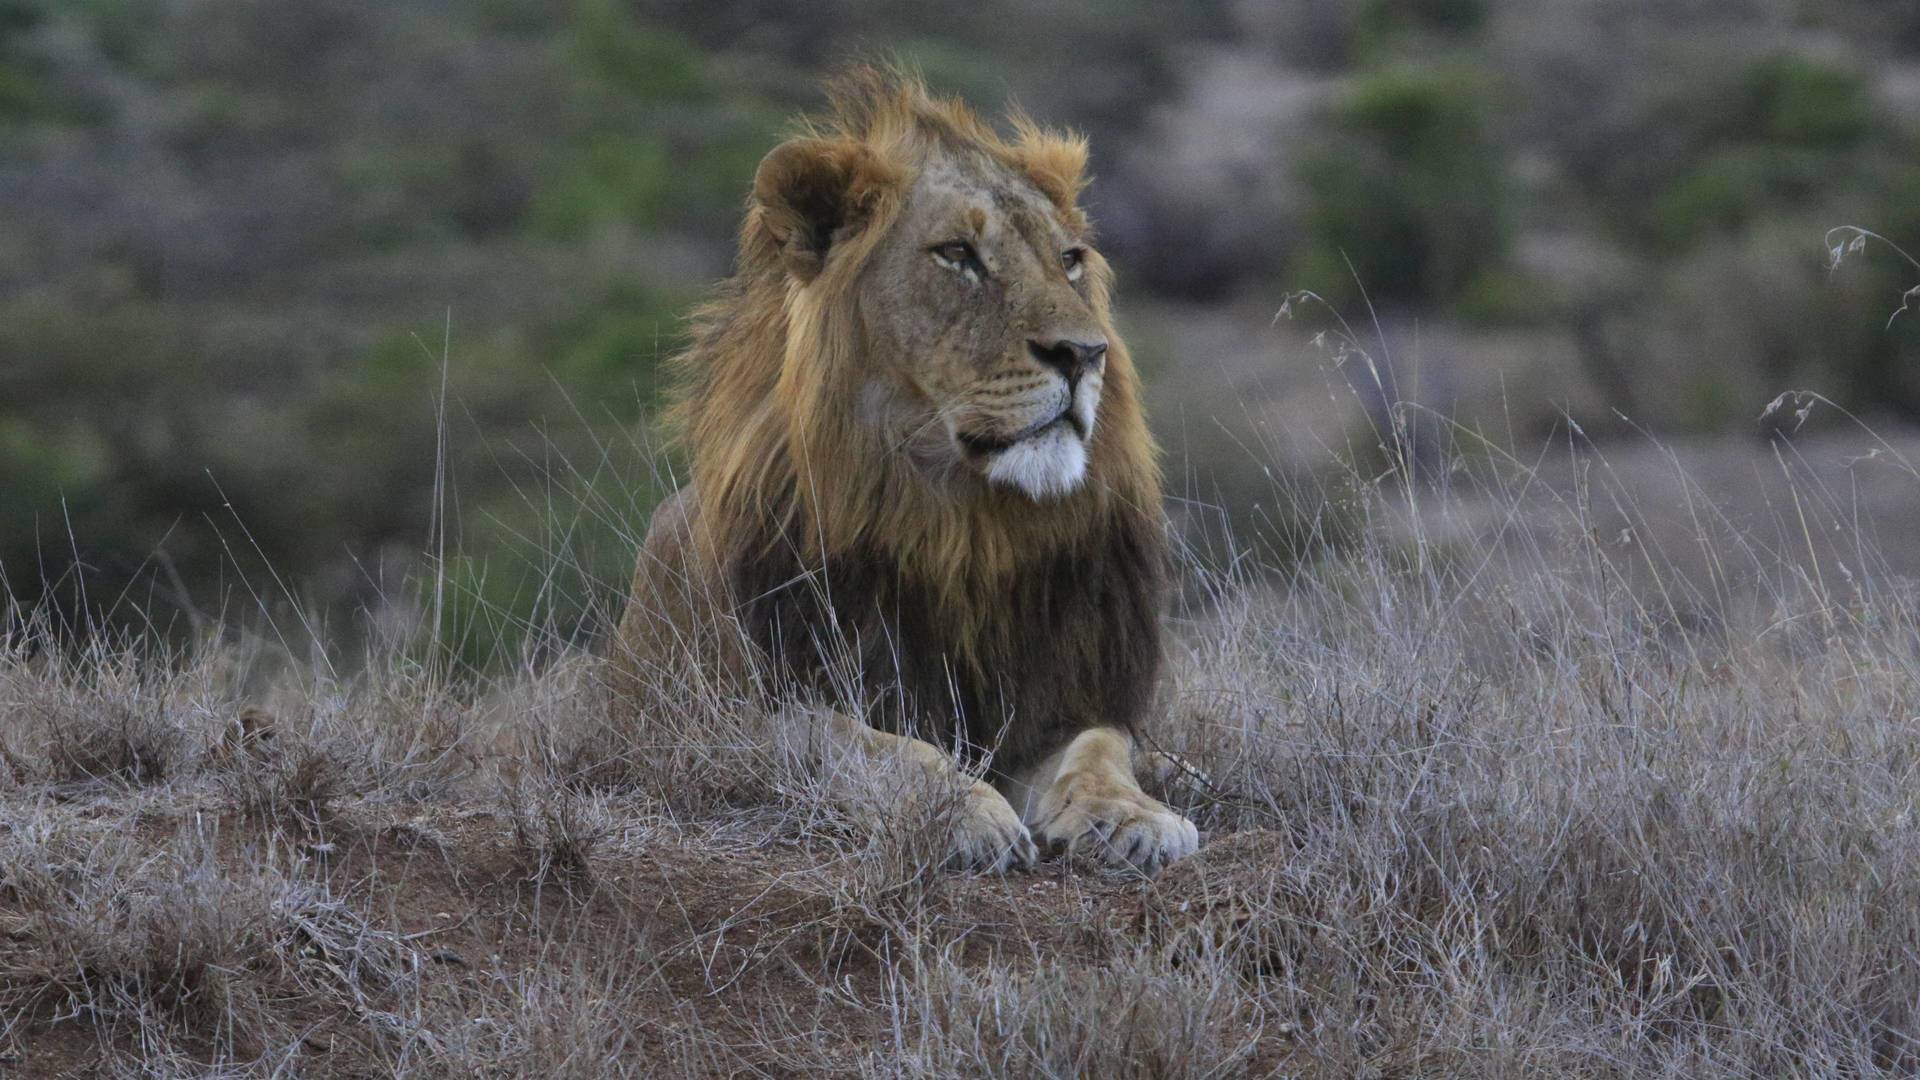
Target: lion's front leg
[1084,797]
[987,833]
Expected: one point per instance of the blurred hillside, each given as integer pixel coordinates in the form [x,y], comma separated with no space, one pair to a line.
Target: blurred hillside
[294,296]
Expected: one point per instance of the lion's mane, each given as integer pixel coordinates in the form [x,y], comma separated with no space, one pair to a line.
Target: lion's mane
[1025,618]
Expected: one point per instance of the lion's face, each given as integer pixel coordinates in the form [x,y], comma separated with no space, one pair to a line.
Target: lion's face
[983,348]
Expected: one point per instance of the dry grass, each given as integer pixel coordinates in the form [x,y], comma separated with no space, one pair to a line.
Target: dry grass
[1507,781]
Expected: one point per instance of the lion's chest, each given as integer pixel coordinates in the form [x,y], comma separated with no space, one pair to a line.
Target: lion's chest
[1069,641]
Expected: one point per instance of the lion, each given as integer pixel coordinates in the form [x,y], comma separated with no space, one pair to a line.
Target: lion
[920,466]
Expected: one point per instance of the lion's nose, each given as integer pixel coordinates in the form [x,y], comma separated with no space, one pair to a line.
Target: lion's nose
[1070,358]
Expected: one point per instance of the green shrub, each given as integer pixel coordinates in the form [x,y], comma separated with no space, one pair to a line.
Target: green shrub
[1502,295]
[648,62]
[1723,193]
[612,355]
[1409,190]
[1796,101]
[1722,151]
[619,178]
[713,166]
[19,93]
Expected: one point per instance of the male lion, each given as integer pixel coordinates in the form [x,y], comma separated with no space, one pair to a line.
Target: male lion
[919,467]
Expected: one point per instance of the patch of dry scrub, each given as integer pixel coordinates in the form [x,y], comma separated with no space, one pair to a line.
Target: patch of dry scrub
[166,949]
[1567,801]
[1504,783]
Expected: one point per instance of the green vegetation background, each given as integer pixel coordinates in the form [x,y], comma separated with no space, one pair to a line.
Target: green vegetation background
[279,281]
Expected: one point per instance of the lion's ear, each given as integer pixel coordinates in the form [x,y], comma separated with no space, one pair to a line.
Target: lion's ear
[812,193]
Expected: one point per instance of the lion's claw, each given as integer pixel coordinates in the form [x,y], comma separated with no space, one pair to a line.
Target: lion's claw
[1121,827]
[988,835]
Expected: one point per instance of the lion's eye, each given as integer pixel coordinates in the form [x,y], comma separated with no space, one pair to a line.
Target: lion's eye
[958,255]
[1075,260]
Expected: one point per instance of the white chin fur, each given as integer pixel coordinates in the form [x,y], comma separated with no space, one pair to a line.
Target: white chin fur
[1046,466]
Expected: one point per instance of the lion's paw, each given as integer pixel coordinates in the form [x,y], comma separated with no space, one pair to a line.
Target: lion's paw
[988,835]
[1121,824]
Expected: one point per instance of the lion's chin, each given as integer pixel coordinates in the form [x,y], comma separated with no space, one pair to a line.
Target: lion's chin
[1045,466]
